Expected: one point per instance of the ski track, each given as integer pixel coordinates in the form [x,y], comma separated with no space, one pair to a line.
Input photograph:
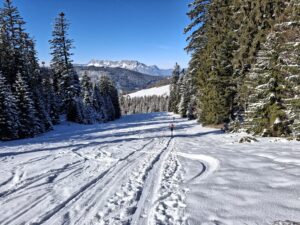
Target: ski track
[108,195]
[79,193]
[123,204]
[168,197]
[108,179]
[209,164]
[102,196]
[131,172]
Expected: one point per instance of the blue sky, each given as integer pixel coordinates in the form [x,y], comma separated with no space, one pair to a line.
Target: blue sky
[150,31]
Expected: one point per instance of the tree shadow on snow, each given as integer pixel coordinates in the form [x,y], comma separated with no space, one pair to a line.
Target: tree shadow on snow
[93,132]
[63,132]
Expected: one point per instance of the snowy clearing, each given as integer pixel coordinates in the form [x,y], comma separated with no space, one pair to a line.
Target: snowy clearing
[132,172]
[156,91]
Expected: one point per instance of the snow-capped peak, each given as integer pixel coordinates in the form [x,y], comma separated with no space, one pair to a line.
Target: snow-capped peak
[131,65]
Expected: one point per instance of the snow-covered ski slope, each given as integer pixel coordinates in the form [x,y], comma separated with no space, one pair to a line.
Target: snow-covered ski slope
[155,91]
[132,172]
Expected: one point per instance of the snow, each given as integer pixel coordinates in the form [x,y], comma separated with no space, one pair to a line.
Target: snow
[277,120]
[131,171]
[156,91]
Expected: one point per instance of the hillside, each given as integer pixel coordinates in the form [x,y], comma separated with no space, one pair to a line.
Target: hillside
[125,80]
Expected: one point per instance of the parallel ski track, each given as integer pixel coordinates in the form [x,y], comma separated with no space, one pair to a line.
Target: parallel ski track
[132,205]
[136,215]
[29,181]
[76,195]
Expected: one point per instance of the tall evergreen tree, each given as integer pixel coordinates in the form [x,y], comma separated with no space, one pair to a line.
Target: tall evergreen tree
[272,85]
[87,96]
[113,92]
[108,108]
[9,120]
[66,80]
[18,56]
[29,124]
[97,101]
[187,104]
[212,45]
[50,98]
[174,90]
[10,20]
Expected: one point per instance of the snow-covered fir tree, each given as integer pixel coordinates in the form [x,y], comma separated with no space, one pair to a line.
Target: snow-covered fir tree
[174,90]
[29,124]
[87,96]
[10,52]
[18,64]
[108,108]
[9,118]
[273,84]
[187,104]
[66,80]
[113,92]
[97,101]
[51,103]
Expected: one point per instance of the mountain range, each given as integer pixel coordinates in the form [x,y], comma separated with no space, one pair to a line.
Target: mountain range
[124,79]
[131,65]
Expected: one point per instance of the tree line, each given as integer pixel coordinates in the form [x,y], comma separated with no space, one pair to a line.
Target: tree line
[146,104]
[32,98]
[244,65]
[183,92]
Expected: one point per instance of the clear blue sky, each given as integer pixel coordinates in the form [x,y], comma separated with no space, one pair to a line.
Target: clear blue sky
[150,31]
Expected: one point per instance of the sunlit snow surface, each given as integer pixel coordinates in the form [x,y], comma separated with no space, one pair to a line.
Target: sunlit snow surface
[158,91]
[131,172]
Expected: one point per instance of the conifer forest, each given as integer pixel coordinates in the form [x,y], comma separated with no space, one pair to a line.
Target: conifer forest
[33,98]
[244,65]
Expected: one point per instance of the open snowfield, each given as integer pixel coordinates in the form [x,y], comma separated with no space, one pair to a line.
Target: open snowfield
[158,91]
[132,172]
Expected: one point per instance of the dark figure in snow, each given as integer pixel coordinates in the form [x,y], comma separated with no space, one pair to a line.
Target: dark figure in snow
[171,126]
[225,127]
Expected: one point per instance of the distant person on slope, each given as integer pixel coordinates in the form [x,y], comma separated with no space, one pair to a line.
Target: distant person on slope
[171,126]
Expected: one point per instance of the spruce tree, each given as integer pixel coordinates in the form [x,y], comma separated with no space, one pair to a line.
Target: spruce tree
[97,101]
[174,90]
[9,118]
[184,96]
[212,45]
[66,81]
[87,96]
[272,85]
[113,92]
[108,108]
[18,56]
[29,124]
[10,20]
[50,98]
[187,104]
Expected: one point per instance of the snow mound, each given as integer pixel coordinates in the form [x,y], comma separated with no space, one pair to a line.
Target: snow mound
[156,91]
